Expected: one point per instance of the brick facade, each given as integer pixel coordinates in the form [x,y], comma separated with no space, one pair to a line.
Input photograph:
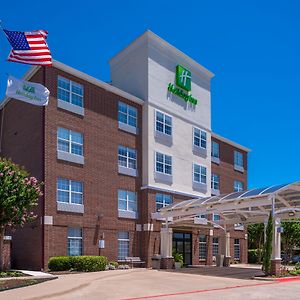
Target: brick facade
[34,130]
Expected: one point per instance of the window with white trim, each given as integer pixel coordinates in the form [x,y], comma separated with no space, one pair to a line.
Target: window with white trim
[74,241]
[236,249]
[215,149]
[69,91]
[200,138]
[238,159]
[123,245]
[162,200]
[215,246]
[69,191]
[238,186]
[127,201]
[163,123]
[199,173]
[127,114]
[202,247]
[69,141]
[127,157]
[163,163]
[215,181]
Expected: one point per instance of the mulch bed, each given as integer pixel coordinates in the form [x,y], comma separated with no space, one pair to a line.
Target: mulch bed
[17,283]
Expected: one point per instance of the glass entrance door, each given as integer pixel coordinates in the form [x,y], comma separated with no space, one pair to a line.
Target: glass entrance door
[182,243]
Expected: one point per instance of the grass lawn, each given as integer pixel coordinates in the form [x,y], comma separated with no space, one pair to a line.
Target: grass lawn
[5,274]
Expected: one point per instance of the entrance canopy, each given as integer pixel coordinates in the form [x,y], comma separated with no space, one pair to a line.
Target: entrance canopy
[245,207]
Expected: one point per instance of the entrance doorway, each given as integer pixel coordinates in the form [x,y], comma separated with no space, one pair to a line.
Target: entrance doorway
[182,243]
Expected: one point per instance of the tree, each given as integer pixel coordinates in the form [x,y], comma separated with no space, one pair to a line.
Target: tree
[290,238]
[19,193]
[267,252]
[256,238]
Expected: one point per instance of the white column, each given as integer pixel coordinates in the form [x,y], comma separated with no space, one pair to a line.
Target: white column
[166,242]
[276,243]
[227,245]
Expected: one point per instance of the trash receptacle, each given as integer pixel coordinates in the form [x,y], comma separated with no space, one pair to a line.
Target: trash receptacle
[220,260]
[227,261]
[155,262]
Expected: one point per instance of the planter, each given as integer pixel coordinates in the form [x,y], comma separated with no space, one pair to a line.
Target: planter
[177,265]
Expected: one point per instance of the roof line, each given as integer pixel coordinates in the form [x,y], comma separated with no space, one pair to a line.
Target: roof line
[61,66]
[227,141]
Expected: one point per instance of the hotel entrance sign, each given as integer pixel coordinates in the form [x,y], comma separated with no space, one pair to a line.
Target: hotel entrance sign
[184,85]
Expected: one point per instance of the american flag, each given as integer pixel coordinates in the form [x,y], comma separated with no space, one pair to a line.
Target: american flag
[29,47]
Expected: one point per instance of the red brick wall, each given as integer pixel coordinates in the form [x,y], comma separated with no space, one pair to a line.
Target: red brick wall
[7,254]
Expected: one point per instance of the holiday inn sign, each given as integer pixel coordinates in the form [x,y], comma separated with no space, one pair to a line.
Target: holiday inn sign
[184,85]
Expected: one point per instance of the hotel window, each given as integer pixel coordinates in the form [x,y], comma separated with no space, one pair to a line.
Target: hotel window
[74,241]
[163,163]
[69,141]
[215,149]
[199,174]
[238,186]
[127,201]
[69,191]
[127,114]
[215,181]
[238,159]
[236,249]
[127,157]
[162,200]
[216,218]
[215,246]
[200,138]
[202,247]
[163,123]
[70,91]
[123,245]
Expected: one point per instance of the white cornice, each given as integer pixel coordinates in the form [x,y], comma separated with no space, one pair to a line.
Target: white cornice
[227,141]
[56,64]
[152,36]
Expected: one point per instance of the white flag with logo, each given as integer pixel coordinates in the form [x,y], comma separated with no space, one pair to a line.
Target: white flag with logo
[30,92]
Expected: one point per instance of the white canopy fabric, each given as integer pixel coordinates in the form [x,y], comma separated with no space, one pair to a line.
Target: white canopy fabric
[245,207]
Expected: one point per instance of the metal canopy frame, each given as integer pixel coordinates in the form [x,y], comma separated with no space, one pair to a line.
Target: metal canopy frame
[245,207]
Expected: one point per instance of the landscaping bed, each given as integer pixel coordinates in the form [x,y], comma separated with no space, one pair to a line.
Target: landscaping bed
[18,283]
[8,274]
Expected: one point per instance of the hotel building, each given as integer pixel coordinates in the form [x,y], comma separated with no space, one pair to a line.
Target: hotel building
[112,154]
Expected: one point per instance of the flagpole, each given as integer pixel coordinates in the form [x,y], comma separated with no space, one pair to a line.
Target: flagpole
[2,123]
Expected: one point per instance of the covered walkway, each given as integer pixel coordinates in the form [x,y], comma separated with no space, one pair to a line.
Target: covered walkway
[245,207]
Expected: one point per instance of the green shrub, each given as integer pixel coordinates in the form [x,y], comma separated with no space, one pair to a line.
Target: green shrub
[78,263]
[114,263]
[297,266]
[60,263]
[252,256]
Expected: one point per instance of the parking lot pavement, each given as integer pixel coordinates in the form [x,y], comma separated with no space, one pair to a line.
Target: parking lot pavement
[152,284]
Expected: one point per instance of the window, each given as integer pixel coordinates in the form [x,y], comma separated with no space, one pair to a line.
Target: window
[70,91]
[127,114]
[238,159]
[163,123]
[123,245]
[162,200]
[202,246]
[199,138]
[74,241]
[163,163]
[69,191]
[215,181]
[127,157]
[238,186]
[215,246]
[216,218]
[215,149]
[236,249]
[127,201]
[199,174]
[69,141]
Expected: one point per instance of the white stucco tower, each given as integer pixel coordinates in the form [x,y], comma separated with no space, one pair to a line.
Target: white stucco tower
[171,119]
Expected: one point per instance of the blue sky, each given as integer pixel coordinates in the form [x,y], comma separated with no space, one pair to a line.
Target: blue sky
[253,47]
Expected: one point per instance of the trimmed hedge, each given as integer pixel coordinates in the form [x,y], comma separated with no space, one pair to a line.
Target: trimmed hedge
[78,263]
[252,256]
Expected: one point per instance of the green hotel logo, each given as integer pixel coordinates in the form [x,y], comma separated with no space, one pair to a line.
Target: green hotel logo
[184,85]
[183,78]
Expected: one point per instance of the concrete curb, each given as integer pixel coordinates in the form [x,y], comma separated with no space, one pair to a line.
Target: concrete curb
[282,279]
